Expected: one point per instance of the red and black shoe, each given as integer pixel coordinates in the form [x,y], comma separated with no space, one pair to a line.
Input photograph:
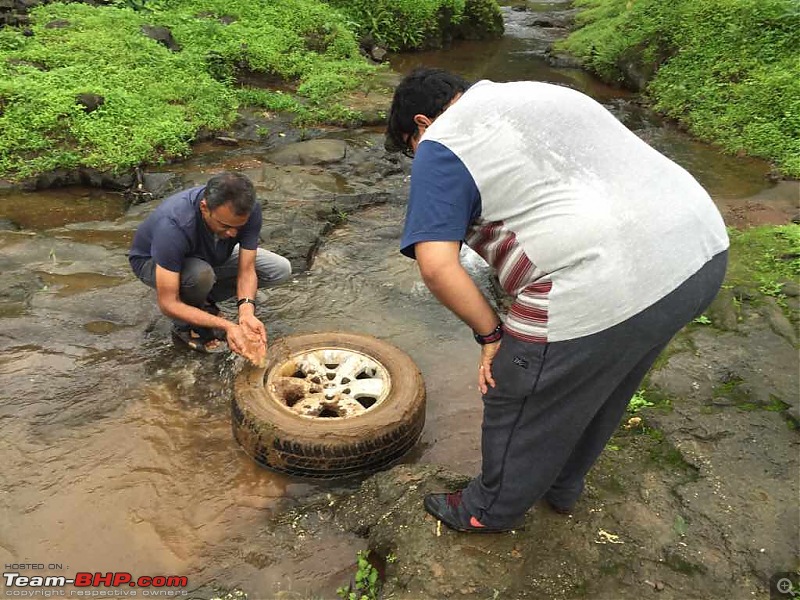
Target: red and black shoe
[450,510]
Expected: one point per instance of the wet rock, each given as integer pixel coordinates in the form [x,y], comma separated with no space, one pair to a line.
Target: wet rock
[790,288]
[106,180]
[744,293]
[378,54]
[16,291]
[723,311]
[226,141]
[162,35]
[295,230]
[8,225]
[90,102]
[312,152]
[562,61]
[54,178]
[778,321]
[85,176]
[160,185]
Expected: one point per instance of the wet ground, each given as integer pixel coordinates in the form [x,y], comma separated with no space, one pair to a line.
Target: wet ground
[118,454]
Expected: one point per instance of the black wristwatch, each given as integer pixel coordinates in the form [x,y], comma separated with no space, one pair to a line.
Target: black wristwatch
[245,301]
[489,338]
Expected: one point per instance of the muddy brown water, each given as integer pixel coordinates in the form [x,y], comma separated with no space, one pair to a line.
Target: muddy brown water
[117,450]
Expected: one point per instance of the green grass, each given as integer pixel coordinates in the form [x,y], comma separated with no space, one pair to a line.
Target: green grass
[764,258]
[727,69]
[155,99]
[417,24]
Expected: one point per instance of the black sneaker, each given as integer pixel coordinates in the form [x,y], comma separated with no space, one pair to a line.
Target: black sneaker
[449,509]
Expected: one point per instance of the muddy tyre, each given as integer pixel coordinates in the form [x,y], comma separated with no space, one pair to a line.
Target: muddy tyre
[329,405]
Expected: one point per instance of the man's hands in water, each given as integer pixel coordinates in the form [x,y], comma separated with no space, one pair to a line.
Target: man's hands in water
[248,338]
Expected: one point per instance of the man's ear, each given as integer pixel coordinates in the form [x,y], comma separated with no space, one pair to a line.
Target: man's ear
[422,121]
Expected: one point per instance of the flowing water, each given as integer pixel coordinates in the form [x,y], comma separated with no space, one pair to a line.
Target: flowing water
[117,448]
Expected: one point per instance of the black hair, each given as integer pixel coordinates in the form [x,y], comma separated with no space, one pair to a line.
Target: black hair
[233,188]
[424,91]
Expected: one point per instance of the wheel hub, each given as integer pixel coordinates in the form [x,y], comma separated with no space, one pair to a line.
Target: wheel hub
[329,383]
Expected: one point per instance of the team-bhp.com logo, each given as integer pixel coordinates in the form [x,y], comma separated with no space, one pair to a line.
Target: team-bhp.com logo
[158,585]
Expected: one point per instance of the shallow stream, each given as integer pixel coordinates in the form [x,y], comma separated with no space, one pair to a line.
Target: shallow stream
[117,449]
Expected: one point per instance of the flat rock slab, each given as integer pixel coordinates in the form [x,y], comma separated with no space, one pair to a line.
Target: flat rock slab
[311,152]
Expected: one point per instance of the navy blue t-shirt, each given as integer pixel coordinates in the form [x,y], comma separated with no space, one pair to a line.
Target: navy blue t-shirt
[443,200]
[176,230]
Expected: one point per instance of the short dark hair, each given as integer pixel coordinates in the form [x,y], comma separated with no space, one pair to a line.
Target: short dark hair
[424,91]
[234,188]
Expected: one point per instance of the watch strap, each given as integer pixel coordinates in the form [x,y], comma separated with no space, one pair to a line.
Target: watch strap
[490,338]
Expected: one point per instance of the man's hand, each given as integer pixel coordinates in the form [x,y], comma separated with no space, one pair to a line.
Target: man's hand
[243,341]
[485,379]
[253,327]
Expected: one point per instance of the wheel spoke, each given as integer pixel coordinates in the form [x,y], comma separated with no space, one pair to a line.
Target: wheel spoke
[372,387]
[311,364]
[310,406]
[295,387]
[331,383]
[348,407]
[352,366]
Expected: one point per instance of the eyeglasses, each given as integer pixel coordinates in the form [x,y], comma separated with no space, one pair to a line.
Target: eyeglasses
[408,150]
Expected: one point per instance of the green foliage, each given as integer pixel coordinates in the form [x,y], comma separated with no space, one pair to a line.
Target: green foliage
[638,402]
[367,585]
[725,68]
[401,24]
[702,320]
[155,100]
[765,256]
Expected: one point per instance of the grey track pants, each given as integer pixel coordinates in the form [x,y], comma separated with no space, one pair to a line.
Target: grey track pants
[200,281]
[556,405]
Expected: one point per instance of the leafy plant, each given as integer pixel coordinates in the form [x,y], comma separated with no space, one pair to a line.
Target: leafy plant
[638,402]
[155,99]
[367,584]
[727,69]
[702,320]
[402,24]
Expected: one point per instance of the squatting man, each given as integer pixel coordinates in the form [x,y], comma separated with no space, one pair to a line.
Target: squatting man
[200,247]
[607,247]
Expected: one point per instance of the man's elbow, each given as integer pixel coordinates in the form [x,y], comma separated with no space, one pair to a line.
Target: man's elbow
[166,306]
[432,273]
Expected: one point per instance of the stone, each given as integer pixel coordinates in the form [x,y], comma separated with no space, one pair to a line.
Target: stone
[90,102]
[8,225]
[160,185]
[778,321]
[723,312]
[162,35]
[791,288]
[226,141]
[377,54]
[58,24]
[312,152]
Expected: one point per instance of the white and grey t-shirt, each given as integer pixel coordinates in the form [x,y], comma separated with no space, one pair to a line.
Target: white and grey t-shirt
[585,223]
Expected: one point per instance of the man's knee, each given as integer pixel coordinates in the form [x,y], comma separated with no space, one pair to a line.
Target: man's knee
[272,269]
[197,279]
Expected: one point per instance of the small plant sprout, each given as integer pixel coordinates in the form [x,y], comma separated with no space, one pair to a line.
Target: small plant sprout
[638,402]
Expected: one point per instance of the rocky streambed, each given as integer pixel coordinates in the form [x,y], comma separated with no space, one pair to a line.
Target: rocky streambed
[696,496]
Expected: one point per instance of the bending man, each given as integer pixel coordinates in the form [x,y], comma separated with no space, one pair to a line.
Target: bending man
[607,247]
[199,247]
